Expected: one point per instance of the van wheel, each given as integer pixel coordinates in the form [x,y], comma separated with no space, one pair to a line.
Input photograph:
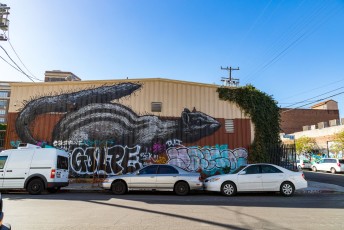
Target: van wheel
[35,187]
[53,190]
[333,170]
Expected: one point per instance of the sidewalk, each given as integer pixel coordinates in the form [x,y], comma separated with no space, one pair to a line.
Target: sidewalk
[313,187]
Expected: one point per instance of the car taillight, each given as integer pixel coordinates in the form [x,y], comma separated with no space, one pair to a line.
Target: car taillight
[303,164]
[338,164]
[52,173]
[303,175]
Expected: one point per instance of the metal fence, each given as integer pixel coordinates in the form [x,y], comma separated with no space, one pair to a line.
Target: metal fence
[283,155]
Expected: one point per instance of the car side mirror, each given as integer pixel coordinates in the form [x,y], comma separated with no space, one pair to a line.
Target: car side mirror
[138,173]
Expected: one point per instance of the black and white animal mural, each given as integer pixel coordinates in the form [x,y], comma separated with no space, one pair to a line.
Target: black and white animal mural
[91,117]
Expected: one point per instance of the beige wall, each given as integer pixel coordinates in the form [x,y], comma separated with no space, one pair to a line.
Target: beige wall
[174,95]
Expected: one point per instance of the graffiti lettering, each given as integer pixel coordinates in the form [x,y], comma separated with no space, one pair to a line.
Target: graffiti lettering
[173,142]
[107,160]
[207,159]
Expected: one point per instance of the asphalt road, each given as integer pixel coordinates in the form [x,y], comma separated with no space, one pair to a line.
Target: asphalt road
[167,211]
[337,179]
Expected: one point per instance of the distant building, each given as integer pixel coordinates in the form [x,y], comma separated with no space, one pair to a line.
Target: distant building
[5,92]
[329,105]
[58,75]
[297,120]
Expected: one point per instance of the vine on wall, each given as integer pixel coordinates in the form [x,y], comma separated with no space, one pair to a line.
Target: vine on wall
[264,113]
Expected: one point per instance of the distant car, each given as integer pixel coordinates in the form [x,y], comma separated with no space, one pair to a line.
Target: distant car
[155,177]
[257,178]
[304,164]
[332,165]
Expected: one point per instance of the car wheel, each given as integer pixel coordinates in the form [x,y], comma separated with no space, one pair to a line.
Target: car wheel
[333,170]
[181,188]
[228,189]
[118,188]
[287,189]
[35,187]
[314,169]
[53,190]
[299,168]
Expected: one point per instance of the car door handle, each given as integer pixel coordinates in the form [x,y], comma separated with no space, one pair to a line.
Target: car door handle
[259,176]
[1,170]
[152,177]
[9,171]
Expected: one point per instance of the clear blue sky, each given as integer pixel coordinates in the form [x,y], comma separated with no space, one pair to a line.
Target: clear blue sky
[291,49]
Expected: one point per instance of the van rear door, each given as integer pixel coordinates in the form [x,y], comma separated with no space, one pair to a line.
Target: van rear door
[61,174]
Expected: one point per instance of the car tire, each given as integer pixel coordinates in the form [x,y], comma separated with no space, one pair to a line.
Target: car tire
[228,189]
[299,168]
[287,189]
[314,169]
[119,188]
[333,170]
[181,188]
[53,190]
[35,187]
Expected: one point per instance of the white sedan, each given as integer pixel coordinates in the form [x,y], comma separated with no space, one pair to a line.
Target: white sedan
[257,177]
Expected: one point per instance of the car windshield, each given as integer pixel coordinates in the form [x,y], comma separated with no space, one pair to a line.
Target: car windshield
[238,169]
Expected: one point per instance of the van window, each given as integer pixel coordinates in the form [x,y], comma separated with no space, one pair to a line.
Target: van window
[62,162]
[2,161]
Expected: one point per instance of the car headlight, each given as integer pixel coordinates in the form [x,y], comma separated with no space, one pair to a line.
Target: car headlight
[214,179]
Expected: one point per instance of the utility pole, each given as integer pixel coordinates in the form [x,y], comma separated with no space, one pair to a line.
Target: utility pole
[4,22]
[234,82]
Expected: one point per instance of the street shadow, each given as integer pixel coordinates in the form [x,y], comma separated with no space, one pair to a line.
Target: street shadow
[271,199]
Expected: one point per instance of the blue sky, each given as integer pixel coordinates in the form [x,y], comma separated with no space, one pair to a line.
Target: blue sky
[291,49]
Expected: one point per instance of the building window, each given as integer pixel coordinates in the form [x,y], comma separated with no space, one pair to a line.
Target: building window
[229,125]
[2,120]
[3,94]
[3,103]
[2,112]
[156,106]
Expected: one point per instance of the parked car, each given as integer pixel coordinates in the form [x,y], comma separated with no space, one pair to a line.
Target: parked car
[257,177]
[34,168]
[155,177]
[332,165]
[303,164]
[3,226]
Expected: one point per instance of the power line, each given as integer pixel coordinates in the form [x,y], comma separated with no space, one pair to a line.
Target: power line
[315,97]
[20,70]
[313,102]
[32,75]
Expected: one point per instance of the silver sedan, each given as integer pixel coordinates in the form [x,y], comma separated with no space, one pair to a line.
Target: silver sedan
[157,177]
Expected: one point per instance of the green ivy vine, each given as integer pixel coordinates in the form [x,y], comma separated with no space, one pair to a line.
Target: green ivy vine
[264,113]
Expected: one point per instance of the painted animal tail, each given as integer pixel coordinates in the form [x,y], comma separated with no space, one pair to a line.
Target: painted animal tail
[65,102]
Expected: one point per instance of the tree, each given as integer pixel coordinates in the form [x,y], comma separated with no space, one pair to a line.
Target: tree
[305,144]
[338,142]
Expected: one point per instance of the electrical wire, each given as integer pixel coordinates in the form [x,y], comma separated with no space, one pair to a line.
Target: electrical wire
[20,70]
[314,97]
[304,27]
[32,75]
[313,102]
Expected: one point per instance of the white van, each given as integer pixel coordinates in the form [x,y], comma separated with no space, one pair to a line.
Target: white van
[34,168]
